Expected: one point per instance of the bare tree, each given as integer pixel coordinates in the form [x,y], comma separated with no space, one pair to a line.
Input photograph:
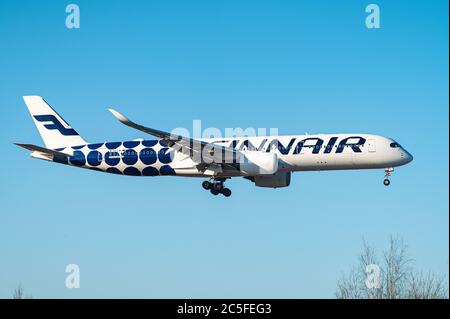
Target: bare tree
[19,293]
[349,287]
[396,268]
[426,286]
[392,278]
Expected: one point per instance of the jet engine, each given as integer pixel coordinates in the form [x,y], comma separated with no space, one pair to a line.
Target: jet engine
[281,179]
[257,163]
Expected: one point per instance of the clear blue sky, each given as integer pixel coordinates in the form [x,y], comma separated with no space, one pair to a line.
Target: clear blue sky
[300,66]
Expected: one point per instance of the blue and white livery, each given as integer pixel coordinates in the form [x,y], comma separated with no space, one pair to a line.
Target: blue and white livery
[267,161]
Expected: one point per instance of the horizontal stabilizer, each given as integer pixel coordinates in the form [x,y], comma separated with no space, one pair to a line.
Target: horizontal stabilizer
[41,149]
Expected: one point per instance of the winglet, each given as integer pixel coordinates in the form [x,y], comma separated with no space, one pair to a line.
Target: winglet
[119,116]
[126,121]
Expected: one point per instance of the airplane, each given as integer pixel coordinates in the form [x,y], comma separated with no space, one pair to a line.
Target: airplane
[267,161]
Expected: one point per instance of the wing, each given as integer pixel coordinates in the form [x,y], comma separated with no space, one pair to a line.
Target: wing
[201,152]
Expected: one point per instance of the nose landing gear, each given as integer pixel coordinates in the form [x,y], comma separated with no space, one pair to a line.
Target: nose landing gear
[217,187]
[387,172]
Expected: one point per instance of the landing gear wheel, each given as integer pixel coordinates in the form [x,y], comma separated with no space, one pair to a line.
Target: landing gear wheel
[387,174]
[206,185]
[226,192]
[216,186]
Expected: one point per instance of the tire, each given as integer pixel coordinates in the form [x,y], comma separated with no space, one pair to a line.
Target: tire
[214,192]
[226,192]
[386,182]
[218,187]
[206,185]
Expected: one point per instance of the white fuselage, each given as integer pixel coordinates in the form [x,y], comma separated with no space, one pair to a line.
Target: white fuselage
[294,153]
[267,161]
[374,151]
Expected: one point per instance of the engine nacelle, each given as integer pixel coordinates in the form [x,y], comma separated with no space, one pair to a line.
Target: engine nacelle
[280,179]
[259,163]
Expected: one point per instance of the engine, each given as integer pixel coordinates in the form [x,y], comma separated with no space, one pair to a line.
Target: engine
[259,163]
[280,179]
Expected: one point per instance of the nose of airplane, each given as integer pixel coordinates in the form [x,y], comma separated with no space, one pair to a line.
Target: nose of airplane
[410,157]
[407,157]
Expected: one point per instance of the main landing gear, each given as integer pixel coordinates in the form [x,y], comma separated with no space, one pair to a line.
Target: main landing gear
[387,172]
[217,187]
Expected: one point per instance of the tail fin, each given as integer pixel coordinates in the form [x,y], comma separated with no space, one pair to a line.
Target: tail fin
[53,129]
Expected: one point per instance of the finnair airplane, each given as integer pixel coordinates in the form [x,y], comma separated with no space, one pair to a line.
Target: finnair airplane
[267,161]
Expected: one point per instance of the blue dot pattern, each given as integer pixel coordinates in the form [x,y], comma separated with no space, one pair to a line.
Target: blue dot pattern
[149,143]
[131,144]
[150,171]
[166,170]
[113,145]
[165,156]
[78,158]
[94,158]
[129,157]
[148,156]
[111,158]
[61,159]
[95,146]
[113,170]
[133,171]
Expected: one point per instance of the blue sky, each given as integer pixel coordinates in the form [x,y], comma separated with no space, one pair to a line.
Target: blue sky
[299,66]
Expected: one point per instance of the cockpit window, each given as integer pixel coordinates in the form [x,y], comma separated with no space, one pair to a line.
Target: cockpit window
[395,145]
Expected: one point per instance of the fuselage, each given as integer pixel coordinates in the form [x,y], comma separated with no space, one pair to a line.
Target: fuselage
[294,153]
[267,161]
